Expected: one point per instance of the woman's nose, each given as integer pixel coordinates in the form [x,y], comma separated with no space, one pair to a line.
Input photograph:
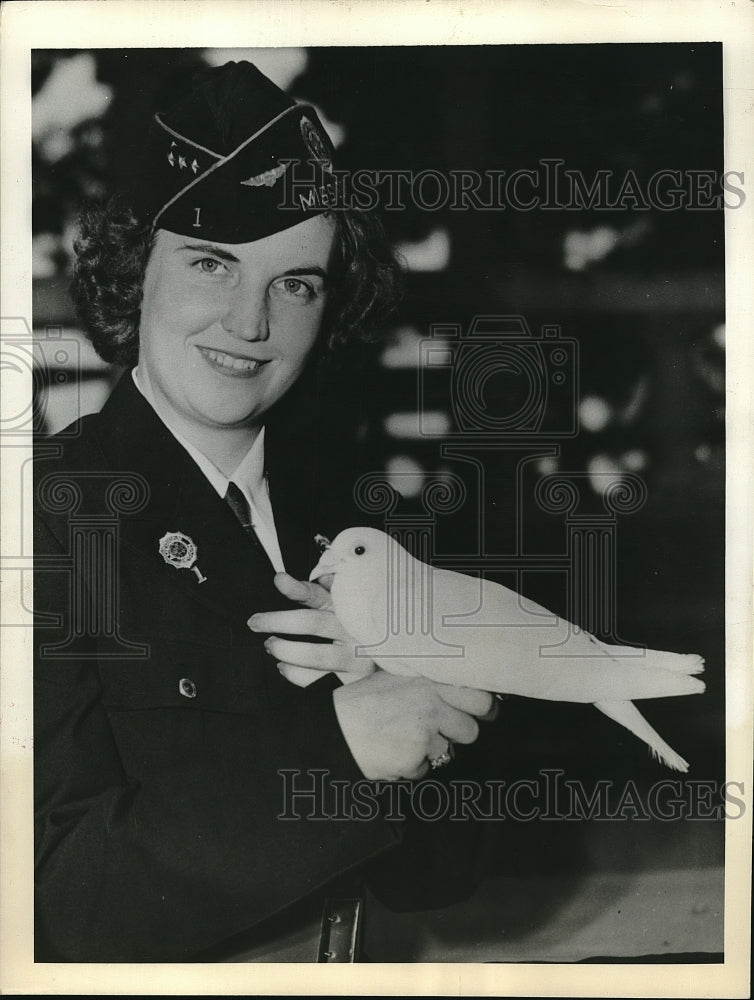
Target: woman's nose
[246,314]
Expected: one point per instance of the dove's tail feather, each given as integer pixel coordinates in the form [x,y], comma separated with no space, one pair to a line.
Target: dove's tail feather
[665,684]
[591,681]
[682,663]
[628,715]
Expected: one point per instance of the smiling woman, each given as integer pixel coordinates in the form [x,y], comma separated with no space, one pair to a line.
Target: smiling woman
[162,726]
[114,246]
[224,335]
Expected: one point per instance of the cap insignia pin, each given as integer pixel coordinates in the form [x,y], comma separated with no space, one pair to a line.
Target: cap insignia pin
[315,144]
[267,178]
[180,551]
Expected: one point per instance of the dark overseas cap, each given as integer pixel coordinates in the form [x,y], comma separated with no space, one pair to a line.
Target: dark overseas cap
[235,160]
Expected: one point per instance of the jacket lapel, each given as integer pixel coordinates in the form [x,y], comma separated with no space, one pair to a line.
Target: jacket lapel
[181,500]
[293,524]
[310,489]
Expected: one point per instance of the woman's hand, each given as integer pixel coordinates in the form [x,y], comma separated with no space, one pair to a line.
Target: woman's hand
[303,662]
[394,725]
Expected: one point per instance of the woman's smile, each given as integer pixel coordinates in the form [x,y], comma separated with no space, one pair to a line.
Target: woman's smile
[231,365]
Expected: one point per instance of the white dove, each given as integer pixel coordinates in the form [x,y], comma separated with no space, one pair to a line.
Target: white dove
[462,630]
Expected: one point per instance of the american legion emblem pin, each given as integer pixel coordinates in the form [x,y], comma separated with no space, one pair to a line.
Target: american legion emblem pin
[315,144]
[180,551]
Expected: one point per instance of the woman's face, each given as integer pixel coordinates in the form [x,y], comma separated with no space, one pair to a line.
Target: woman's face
[226,329]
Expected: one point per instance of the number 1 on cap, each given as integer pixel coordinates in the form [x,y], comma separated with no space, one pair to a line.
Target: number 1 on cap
[197,223]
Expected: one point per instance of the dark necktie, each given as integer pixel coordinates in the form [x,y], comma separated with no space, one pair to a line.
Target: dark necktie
[240,507]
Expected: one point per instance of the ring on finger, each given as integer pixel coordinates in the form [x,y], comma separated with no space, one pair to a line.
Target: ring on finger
[441,759]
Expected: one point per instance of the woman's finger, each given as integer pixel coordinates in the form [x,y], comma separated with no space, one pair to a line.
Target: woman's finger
[304,676]
[312,595]
[457,726]
[299,621]
[300,676]
[438,746]
[317,655]
[470,700]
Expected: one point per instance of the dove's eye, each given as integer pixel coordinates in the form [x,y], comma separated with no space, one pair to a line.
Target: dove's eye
[359,550]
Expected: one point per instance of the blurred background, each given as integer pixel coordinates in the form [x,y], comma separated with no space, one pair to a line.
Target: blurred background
[638,290]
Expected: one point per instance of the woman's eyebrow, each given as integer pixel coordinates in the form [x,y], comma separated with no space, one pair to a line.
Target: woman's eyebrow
[211,248]
[314,269]
[223,254]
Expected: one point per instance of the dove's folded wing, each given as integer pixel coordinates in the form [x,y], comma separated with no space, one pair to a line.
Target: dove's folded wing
[462,630]
[487,636]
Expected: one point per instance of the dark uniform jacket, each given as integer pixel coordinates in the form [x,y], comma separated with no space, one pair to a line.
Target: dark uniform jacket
[161,724]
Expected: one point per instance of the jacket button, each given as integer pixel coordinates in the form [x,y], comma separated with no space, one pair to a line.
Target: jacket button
[187,687]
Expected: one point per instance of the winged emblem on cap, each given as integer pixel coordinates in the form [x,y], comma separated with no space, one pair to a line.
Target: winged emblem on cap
[315,143]
[268,178]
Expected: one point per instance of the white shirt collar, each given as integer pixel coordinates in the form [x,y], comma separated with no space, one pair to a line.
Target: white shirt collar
[248,477]
[249,474]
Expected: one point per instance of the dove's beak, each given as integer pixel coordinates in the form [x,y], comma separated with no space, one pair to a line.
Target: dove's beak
[327,564]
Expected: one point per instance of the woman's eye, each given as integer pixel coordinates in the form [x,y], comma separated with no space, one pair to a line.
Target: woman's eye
[209,265]
[296,287]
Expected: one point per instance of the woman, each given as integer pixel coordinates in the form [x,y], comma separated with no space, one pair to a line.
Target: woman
[161,724]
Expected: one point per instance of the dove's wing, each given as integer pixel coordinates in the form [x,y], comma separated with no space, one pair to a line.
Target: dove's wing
[458,629]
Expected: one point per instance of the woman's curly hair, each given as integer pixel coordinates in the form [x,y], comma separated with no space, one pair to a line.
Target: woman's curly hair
[113,249]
